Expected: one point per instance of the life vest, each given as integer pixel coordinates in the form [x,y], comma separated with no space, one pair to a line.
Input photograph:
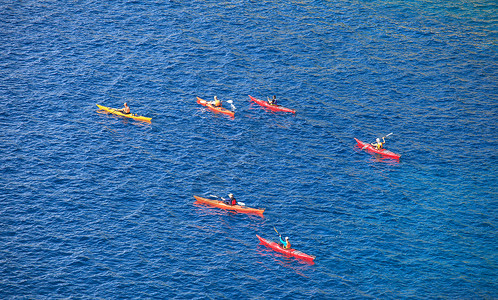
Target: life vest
[233,201]
[288,245]
[217,103]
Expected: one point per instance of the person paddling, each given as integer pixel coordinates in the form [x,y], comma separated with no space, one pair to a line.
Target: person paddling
[378,144]
[216,102]
[284,244]
[231,200]
[125,109]
[272,101]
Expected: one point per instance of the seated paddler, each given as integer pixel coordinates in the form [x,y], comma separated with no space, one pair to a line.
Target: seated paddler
[378,144]
[216,102]
[125,109]
[272,101]
[284,244]
[231,200]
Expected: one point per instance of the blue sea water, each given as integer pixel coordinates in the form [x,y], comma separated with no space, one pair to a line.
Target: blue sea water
[98,206]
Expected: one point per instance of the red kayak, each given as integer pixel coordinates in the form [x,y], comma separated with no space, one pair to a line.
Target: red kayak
[214,108]
[371,148]
[288,252]
[272,107]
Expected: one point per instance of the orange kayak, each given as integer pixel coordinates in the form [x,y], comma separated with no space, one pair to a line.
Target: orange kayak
[223,205]
[271,106]
[118,113]
[214,108]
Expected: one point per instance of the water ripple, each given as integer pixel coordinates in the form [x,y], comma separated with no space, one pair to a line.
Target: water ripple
[97,206]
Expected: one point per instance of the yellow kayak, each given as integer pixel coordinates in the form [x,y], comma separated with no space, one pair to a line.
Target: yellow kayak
[117,112]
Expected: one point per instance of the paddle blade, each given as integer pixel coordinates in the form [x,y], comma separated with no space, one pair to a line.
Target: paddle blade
[231,103]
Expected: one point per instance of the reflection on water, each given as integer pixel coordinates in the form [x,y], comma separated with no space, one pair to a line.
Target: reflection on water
[376,157]
[297,265]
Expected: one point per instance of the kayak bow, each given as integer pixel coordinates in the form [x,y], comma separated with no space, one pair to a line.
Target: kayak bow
[214,108]
[223,205]
[371,148]
[288,252]
[270,106]
[118,113]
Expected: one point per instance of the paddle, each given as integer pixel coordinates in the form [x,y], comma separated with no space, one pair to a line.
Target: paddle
[223,199]
[281,245]
[231,103]
[372,143]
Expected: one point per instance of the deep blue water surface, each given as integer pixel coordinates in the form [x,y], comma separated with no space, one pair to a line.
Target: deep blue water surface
[98,206]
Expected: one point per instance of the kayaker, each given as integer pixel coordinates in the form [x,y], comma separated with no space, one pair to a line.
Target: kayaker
[286,244]
[125,109]
[378,144]
[272,101]
[216,102]
[231,200]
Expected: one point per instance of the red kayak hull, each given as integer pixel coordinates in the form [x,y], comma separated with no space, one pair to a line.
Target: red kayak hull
[265,104]
[371,148]
[221,110]
[289,252]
